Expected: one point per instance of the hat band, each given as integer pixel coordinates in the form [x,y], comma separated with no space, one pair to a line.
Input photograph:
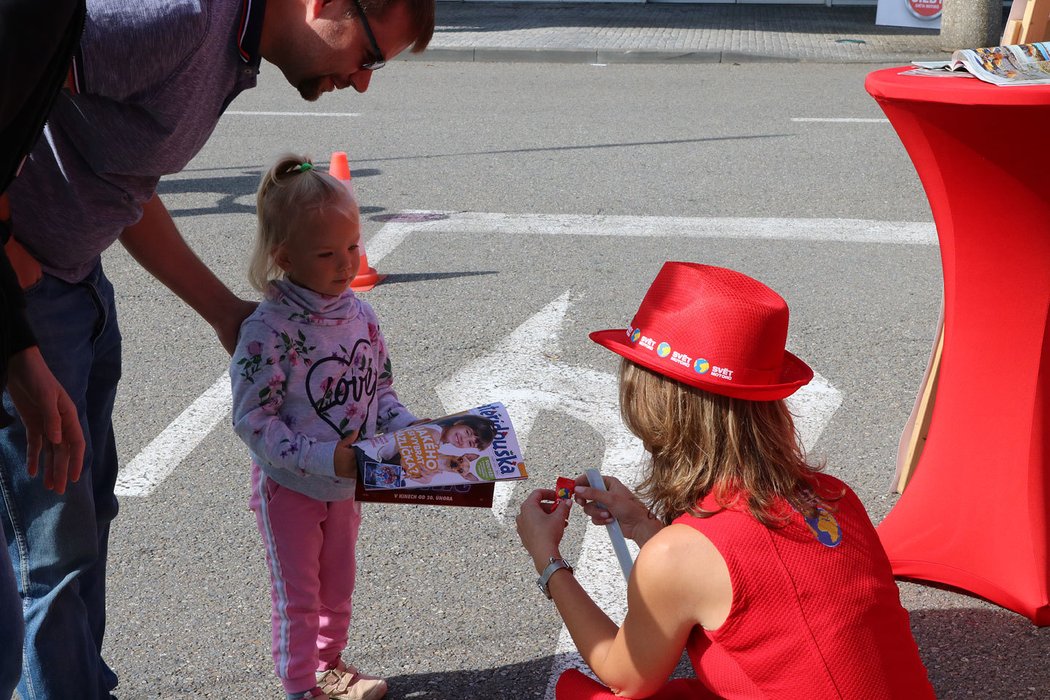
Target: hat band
[704,367]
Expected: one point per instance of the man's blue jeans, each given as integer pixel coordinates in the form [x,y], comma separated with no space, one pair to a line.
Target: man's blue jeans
[11,624]
[58,544]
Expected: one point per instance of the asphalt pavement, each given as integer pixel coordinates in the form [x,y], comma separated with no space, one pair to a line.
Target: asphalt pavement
[662,33]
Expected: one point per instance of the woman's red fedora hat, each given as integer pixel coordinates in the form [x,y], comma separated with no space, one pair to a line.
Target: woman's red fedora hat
[715,329]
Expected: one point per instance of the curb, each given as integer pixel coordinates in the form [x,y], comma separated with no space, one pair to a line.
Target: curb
[643,56]
[545,55]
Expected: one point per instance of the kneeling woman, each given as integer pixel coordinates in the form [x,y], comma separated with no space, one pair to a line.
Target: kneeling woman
[766,571]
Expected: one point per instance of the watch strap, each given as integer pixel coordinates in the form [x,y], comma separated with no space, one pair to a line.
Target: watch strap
[555,564]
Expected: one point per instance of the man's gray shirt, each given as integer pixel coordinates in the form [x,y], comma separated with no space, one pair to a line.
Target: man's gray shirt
[153,77]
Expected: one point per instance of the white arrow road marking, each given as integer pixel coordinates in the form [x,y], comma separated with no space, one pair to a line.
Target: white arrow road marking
[520,373]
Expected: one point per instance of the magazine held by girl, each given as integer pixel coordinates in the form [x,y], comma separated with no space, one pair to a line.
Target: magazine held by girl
[468,449]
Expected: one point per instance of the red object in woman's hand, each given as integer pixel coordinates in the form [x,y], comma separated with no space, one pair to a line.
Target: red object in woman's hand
[563,491]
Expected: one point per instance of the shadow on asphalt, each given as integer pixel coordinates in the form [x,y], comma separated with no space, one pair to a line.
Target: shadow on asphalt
[395,278]
[968,652]
[981,653]
[519,681]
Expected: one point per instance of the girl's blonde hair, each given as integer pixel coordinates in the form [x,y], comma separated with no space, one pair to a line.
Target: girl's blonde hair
[746,453]
[289,194]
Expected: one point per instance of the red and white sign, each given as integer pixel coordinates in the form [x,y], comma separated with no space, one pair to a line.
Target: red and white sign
[925,9]
[925,14]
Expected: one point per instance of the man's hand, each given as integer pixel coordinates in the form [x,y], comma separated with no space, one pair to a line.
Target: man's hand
[229,324]
[25,265]
[48,414]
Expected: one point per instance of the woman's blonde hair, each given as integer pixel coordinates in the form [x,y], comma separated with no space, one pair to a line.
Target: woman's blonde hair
[289,194]
[745,453]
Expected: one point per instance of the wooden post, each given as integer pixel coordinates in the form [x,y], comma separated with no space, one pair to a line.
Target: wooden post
[1029,21]
[913,437]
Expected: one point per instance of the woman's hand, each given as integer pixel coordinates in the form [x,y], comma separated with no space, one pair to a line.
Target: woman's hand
[540,531]
[618,502]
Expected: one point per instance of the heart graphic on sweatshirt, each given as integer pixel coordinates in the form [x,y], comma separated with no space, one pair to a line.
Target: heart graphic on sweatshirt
[341,387]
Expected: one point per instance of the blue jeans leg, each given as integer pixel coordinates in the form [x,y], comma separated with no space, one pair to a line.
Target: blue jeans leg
[58,544]
[12,626]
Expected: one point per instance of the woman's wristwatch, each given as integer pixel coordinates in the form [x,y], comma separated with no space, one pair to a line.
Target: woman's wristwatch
[555,564]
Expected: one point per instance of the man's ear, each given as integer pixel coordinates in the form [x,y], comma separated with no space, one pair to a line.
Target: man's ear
[326,8]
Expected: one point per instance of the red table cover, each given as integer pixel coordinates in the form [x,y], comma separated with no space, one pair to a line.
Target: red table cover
[974,515]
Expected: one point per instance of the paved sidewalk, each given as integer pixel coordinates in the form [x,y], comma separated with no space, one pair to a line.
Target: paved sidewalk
[668,33]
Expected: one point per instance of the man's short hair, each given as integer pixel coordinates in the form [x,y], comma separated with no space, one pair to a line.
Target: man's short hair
[420,13]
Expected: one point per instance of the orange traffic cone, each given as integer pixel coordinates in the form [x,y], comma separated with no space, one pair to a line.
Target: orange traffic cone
[367,276]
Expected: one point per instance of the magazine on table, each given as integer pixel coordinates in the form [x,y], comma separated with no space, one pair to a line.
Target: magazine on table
[453,460]
[1016,64]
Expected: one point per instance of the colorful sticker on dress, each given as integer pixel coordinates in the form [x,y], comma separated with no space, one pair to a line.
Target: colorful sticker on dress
[825,528]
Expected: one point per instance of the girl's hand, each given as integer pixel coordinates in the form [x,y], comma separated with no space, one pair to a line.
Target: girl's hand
[540,531]
[345,459]
[618,502]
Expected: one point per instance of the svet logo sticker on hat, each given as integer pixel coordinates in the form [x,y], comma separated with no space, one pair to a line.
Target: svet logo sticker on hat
[635,334]
[701,366]
[663,349]
[825,528]
[722,373]
[681,358]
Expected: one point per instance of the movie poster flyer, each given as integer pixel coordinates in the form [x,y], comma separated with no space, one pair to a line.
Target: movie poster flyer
[468,449]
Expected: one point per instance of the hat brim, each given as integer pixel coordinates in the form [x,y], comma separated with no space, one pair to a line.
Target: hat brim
[794,375]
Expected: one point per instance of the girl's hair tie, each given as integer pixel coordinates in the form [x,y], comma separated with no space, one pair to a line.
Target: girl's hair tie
[303,167]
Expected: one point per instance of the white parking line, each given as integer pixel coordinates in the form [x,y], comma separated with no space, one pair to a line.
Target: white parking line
[247,113]
[159,459]
[820,230]
[842,120]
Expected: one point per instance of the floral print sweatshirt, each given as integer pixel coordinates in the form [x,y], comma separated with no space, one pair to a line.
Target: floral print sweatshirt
[308,370]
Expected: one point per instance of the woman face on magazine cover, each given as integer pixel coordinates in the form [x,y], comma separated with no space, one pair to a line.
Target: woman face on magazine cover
[461,436]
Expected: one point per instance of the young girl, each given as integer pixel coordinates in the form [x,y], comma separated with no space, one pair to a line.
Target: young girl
[310,375]
[766,571]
